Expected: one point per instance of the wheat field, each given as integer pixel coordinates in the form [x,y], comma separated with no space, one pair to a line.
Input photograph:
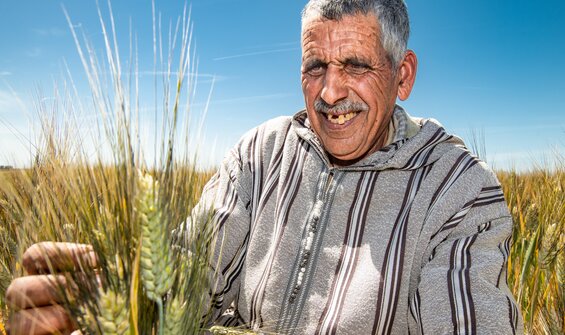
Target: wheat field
[128,208]
[536,267]
[133,210]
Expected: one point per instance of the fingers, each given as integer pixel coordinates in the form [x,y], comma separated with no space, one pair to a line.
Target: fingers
[37,297]
[38,291]
[46,257]
[39,321]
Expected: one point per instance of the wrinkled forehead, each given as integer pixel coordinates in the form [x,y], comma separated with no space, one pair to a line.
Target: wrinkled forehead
[361,27]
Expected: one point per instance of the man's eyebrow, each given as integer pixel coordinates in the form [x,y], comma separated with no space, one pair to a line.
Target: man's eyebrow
[356,62]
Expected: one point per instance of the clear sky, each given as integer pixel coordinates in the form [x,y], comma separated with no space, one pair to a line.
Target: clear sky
[495,68]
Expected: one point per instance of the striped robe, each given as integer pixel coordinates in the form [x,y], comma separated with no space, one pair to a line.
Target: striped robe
[414,239]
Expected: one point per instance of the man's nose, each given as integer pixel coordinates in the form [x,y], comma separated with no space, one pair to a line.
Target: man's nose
[334,88]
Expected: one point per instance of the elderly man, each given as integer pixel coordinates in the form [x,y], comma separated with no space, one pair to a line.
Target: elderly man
[353,217]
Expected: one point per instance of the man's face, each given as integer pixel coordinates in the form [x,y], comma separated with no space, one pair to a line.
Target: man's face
[349,85]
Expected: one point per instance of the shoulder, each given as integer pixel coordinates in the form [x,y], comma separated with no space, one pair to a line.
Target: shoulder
[457,162]
[452,158]
[264,138]
[460,176]
[466,193]
[256,146]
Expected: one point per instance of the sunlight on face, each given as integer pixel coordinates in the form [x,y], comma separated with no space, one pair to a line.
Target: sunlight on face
[349,85]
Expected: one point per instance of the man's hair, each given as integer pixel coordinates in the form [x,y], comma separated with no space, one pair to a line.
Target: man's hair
[392,17]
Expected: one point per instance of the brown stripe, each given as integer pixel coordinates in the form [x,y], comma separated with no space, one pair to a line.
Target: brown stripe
[491,188]
[468,287]
[229,278]
[221,214]
[448,177]
[257,298]
[355,227]
[398,235]
[458,292]
[426,150]
[256,171]
[250,147]
[504,248]
[452,303]
[462,291]
[400,247]
[458,168]
[480,200]
[418,315]
[342,253]
[455,219]
[512,316]
[273,175]
[490,202]
[366,205]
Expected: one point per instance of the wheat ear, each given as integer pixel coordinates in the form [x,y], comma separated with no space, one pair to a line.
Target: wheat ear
[173,317]
[112,317]
[220,330]
[157,274]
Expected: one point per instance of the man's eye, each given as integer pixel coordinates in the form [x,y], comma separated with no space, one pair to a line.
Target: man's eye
[316,70]
[357,68]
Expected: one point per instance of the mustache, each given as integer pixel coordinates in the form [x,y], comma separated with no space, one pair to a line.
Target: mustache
[342,106]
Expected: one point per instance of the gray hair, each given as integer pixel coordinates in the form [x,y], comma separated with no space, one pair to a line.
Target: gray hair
[392,17]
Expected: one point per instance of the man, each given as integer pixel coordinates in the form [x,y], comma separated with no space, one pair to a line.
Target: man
[352,217]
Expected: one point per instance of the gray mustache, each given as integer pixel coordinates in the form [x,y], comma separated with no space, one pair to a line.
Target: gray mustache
[343,106]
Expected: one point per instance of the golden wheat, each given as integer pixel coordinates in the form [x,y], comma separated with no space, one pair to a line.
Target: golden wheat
[69,196]
[2,330]
[536,268]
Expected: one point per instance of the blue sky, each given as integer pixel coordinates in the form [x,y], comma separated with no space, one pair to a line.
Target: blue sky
[492,67]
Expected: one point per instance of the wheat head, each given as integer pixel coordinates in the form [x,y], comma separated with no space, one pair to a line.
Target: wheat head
[157,272]
[112,316]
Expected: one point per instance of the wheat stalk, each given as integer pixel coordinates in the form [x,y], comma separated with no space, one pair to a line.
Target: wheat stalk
[126,216]
[536,270]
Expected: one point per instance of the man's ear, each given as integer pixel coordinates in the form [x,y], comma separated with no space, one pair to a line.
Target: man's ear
[407,75]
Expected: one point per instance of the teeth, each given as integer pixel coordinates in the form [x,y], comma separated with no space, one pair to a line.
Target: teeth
[340,119]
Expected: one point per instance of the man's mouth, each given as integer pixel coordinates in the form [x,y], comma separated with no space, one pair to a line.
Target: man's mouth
[342,118]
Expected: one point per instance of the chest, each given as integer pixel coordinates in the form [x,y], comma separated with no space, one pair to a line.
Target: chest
[332,250]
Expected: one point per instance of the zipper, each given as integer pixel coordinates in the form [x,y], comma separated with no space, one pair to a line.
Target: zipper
[309,238]
[295,295]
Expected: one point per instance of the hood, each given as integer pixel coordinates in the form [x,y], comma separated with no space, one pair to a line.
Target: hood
[416,143]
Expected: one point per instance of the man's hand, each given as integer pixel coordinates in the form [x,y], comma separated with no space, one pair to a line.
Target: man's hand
[37,296]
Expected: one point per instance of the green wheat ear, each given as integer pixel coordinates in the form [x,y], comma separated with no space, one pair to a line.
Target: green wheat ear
[114,318]
[173,317]
[157,274]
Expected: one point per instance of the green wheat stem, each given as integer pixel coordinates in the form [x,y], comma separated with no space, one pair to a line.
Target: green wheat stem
[161,316]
